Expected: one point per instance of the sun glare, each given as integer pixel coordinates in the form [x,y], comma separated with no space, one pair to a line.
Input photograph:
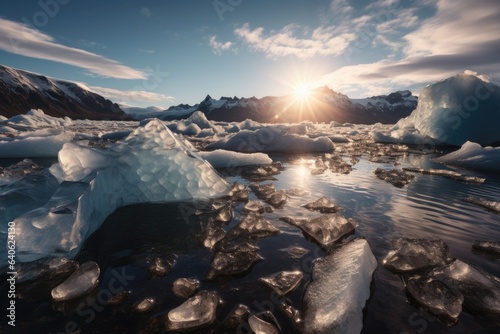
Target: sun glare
[302,91]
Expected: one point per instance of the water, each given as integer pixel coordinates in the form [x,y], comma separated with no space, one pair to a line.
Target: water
[429,207]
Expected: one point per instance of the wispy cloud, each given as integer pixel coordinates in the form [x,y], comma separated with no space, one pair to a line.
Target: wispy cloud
[129,95]
[322,41]
[220,47]
[23,40]
[150,51]
[145,11]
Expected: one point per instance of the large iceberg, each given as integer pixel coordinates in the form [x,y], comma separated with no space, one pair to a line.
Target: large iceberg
[472,155]
[150,165]
[465,107]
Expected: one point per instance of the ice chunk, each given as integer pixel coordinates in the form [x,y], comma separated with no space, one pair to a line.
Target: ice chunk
[239,193]
[324,230]
[256,207]
[446,173]
[19,170]
[233,261]
[396,177]
[213,234]
[158,267]
[222,211]
[264,323]
[472,155]
[253,226]
[323,205]
[459,109]
[119,297]
[490,205]
[201,121]
[295,252]
[339,288]
[271,139]
[150,165]
[185,287]
[481,292]
[292,313]
[44,143]
[492,247]
[237,317]
[230,159]
[411,255]
[268,193]
[81,282]
[283,282]
[440,299]
[145,305]
[197,312]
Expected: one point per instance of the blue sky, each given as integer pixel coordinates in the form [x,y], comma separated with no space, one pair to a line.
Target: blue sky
[168,52]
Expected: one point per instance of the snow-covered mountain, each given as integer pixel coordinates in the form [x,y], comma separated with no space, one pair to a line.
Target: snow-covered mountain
[21,91]
[323,105]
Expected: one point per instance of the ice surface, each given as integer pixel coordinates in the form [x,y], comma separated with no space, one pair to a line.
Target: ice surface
[256,207]
[283,282]
[292,313]
[196,312]
[185,287]
[396,177]
[446,173]
[150,165]
[481,292]
[323,205]
[485,203]
[199,119]
[440,299]
[213,233]
[459,109]
[492,247]
[82,281]
[230,159]
[271,139]
[472,155]
[339,288]
[268,193]
[35,144]
[324,230]
[411,255]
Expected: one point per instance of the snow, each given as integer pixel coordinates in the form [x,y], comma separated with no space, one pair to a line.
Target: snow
[458,109]
[472,155]
[150,165]
[271,139]
[340,286]
[229,159]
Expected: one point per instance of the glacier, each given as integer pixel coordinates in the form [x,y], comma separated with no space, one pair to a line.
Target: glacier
[150,165]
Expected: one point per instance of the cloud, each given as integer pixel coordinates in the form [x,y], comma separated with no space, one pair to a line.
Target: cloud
[341,7]
[130,95]
[145,11]
[322,41]
[20,39]
[220,47]
[461,35]
[150,51]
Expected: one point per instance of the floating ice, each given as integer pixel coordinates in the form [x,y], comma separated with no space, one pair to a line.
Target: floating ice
[292,313]
[264,323]
[339,288]
[158,267]
[459,109]
[440,299]
[145,305]
[253,226]
[492,247]
[268,193]
[256,207]
[323,205]
[481,292]
[233,261]
[237,317]
[396,177]
[185,287]
[324,230]
[36,118]
[411,255]
[81,282]
[485,203]
[271,139]
[213,233]
[43,143]
[446,173]
[472,155]
[150,165]
[283,282]
[229,159]
[197,312]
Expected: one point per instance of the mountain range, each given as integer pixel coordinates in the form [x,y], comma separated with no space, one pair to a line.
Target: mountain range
[21,91]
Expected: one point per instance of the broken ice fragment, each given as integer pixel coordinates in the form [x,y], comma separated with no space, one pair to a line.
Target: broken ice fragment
[213,234]
[295,252]
[253,226]
[264,323]
[481,291]
[489,205]
[82,281]
[185,287]
[410,255]
[145,305]
[197,312]
[324,230]
[439,298]
[492,247]
[323,205]
[397,178]
[292,313]
[339,288]
[283,282]
[158,267]
[236,317]
[233,261]
[447,173]
[256,207]
[119,297]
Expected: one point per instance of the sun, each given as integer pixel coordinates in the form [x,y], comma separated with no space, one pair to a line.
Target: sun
[302,91]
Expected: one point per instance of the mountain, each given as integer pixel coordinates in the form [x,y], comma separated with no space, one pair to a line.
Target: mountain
[21,91]
[321,105]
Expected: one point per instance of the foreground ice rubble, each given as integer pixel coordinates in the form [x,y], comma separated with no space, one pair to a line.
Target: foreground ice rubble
[82,281]
[150,165]
[196,312]
[340,286]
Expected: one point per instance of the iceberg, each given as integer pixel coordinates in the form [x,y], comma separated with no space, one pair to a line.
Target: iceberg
[340,286]
[474,156]
[462,108]
[230,159]
[43,143]
[150,165]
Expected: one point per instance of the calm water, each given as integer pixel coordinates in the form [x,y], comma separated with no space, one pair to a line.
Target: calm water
[429,207]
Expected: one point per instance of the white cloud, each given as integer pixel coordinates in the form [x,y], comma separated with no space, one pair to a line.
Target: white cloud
[341,7]
[20,39]
[129,96]
[220,47]
[150,51]
[322,41]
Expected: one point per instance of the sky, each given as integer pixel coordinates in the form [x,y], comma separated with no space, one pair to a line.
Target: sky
[163,53]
